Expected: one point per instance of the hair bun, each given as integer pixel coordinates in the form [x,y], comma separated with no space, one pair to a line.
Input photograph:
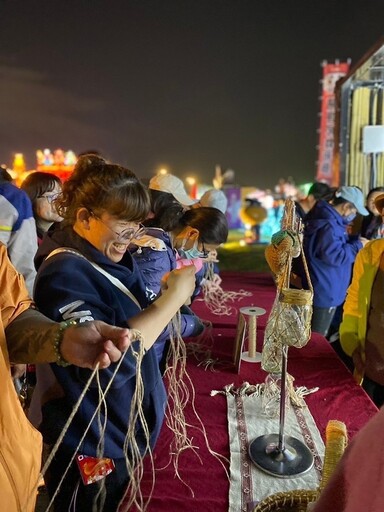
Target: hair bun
[87,165]
[91,159]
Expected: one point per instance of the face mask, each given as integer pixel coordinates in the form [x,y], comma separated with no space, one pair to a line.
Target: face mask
[192,253]
[347,220]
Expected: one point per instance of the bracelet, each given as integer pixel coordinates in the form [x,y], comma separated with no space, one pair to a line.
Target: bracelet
[58,340]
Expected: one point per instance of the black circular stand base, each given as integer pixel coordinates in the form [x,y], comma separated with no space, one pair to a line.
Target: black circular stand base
[293,460]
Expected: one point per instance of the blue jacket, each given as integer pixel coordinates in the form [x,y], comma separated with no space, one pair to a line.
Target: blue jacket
[67,286]
[155,257]
[18,230]
[330,254]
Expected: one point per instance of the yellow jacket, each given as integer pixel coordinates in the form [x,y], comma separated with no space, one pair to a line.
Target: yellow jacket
[20,443]
[353,328]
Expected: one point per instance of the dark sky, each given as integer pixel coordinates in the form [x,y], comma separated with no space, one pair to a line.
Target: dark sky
[176,83]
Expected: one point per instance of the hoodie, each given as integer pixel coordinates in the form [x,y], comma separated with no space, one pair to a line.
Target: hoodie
[155,257]
[68,286]
[330,254]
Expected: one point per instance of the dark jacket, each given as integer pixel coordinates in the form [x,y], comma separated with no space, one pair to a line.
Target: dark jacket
[156,257]
[67,286]
[330,254]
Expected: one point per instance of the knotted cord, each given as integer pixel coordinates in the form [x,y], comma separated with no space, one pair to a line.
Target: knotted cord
[181,392]
[215,298]
[135,413]
[290,317]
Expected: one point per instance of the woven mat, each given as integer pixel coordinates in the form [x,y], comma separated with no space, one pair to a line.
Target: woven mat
[246,421]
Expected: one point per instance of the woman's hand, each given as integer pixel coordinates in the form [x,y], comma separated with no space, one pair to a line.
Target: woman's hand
[181,282]
[90,343]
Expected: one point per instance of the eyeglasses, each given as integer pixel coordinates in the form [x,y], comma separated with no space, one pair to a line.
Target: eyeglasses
[50,198]
[127,234]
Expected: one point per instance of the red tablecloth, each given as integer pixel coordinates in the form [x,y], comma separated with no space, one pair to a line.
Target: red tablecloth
[314,365]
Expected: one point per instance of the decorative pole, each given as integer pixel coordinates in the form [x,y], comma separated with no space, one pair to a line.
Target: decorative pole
[288,325]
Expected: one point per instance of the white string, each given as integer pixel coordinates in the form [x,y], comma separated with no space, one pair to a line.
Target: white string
[69,421]
[134,463]
[215,298]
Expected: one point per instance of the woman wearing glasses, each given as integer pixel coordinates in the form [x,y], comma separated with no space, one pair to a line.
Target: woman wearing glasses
[43,188]
[86,272]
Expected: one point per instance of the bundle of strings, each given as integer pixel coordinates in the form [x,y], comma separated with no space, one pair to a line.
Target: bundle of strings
[181,392]
[296,394]
[215,298]
[133,453]
[201,346]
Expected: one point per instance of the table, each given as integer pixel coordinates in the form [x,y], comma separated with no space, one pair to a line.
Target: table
[314,365]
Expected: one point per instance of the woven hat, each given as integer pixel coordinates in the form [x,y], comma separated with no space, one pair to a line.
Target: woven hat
[172,185]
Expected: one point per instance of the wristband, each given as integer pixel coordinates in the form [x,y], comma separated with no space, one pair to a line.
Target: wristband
[58,340]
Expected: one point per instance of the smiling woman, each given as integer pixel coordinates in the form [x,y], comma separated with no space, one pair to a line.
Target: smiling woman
[85,272]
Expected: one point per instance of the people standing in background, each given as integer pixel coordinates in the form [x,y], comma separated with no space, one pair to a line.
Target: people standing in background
[4,175]
[172,185]
[317,190]
[371,222]
[214,198]
[18,229]
[330,252]
[43,188]
[375,229]
[363,319]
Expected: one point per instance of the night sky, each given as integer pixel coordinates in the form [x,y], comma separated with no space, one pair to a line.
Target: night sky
[179,84]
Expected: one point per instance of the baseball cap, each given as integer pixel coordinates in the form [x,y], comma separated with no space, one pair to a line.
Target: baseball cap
[214,198]
[353,195]
[172,185]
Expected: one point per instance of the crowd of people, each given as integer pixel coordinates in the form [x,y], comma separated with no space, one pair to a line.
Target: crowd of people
[93,272]
[114,262]
[343,246]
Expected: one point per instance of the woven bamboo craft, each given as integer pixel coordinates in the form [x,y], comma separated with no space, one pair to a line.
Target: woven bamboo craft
[289,322]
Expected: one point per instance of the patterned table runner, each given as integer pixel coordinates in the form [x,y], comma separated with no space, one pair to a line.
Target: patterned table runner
[246,421]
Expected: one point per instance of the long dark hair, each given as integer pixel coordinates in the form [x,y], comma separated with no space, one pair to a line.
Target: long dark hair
[170,215]
[166,211]
[211,223]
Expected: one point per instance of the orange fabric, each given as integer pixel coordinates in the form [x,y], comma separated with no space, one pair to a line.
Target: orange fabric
[20,443]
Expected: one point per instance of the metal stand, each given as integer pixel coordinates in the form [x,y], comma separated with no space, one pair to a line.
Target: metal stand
[276,454]
[251,356]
